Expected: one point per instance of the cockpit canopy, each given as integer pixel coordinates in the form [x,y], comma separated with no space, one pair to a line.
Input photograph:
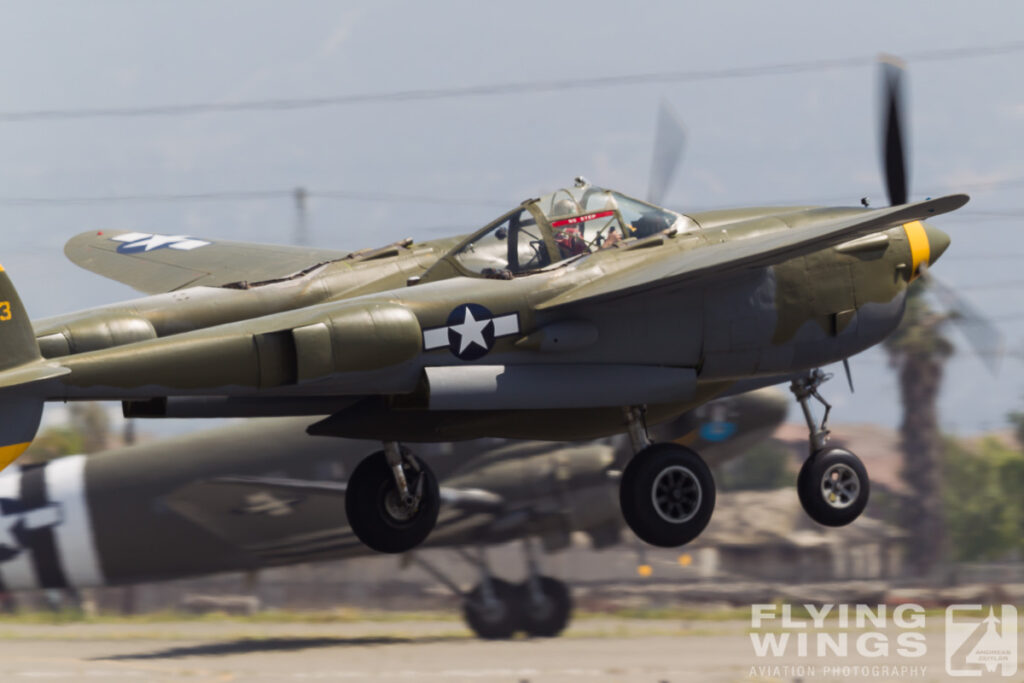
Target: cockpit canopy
[561,225]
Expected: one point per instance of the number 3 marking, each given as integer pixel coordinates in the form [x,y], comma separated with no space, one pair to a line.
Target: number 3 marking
[5,310]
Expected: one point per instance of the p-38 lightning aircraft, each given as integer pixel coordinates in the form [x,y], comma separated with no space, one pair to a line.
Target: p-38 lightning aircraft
[576,315]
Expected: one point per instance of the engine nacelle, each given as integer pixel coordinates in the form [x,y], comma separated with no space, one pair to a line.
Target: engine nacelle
[96,332]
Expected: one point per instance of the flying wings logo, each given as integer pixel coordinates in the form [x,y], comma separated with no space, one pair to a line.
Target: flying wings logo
[141,242]
[471,331]
[976,645]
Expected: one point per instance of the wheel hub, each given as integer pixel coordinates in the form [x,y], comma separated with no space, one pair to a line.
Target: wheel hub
[397,508]
[676,494]
[840,486]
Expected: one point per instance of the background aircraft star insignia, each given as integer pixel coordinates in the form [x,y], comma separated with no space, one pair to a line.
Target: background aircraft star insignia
[16,522]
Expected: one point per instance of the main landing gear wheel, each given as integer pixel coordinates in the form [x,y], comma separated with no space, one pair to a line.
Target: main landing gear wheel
[667,495]
[380,516]
[493,612]
[546,606]
[833,487]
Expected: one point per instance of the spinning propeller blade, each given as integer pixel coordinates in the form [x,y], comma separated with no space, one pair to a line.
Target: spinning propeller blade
[893,130]
[981,333]
[668,150]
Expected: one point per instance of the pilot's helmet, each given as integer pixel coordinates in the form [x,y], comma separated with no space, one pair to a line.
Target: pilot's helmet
[650,223]
[563,207]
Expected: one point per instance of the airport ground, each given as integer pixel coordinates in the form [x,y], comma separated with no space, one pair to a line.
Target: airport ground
[428,647]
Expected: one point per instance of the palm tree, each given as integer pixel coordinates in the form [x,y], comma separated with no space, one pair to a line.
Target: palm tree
[919,350]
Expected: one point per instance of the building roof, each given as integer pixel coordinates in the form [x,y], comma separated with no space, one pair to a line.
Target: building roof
[758,518]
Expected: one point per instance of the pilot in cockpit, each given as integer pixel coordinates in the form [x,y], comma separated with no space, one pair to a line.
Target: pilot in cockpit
[568,238]
[651,223]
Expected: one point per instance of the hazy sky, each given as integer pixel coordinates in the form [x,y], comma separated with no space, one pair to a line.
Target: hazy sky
[797,137]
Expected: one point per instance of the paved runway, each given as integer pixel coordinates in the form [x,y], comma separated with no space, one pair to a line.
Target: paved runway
[597,649]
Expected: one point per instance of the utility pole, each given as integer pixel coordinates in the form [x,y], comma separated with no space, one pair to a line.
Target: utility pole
[301,236]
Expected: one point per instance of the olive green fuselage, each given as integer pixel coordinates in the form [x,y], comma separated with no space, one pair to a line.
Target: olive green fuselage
[357,335]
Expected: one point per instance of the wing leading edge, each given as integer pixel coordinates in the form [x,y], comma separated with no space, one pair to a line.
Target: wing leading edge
[752,252]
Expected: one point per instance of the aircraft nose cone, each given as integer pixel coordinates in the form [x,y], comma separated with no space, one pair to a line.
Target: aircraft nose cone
[938,242]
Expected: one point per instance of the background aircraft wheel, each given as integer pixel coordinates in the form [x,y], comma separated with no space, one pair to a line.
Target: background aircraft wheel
[376,513]
[494,617]
[547,617]
[667,495]
[833,487]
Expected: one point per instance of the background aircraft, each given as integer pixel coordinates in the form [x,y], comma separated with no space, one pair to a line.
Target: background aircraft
[264,493]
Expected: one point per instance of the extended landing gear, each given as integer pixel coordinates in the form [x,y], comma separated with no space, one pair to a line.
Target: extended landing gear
[546,606]
[833,487]
[491,609]
[392,500]
[833,484]
[545,603]
[666,492]
[495,609]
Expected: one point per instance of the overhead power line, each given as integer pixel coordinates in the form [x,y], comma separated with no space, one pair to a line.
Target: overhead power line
[851,198]
[489,90]
[249,195]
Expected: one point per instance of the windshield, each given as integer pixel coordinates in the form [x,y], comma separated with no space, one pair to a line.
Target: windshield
[560,225]
[513,245]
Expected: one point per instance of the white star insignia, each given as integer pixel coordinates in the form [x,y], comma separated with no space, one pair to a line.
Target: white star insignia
[145,241]
[471,331]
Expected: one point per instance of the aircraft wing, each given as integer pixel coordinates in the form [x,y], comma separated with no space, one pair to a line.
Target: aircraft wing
[279,519]
[753,252]
[154,263]
[474,500]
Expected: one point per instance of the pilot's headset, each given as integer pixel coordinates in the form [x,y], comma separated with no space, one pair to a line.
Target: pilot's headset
[564,207]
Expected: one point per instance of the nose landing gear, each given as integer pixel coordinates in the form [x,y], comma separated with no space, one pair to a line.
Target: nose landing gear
[833,484]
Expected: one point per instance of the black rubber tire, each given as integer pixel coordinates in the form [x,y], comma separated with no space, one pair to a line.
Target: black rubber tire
[814,497]
[550,619]
[636,492]
[365,495]
[801,479]
[499,621]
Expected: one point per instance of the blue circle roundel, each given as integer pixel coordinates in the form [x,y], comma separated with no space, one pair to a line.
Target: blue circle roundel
[718,430]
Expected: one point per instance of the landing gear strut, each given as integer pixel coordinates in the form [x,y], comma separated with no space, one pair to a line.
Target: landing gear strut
[392,500]
[491,609]
[833,484]
[546,603]
[666,492]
